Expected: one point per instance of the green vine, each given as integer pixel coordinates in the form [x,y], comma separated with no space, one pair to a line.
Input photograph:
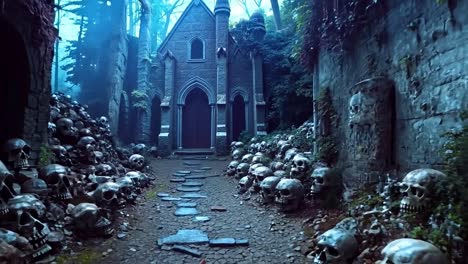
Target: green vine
[45,155]
[140,100]
[327,116]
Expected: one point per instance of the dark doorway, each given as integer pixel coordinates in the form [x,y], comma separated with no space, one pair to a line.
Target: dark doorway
[155,120]
[196,120]
[14,82]
[238,116]
[123,120]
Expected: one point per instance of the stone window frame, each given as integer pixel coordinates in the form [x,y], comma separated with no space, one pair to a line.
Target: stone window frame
[189,48]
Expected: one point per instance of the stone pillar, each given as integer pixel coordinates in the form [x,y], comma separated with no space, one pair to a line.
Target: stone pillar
[258,98]
[166,132]
[220,112]
[180,109]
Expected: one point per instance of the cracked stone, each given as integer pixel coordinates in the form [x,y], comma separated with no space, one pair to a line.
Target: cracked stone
[188,189]
[192,184]
[185,236]
[187,250]
[184,211]
[222,242]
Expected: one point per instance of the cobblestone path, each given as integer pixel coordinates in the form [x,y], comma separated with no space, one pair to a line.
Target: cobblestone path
[273,237]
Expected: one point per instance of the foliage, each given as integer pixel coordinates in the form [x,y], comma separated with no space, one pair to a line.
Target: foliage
[327,119]
[140,100]
[45,156]
[366,196]
[244,137]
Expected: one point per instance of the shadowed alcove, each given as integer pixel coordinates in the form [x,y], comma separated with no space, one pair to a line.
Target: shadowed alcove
[238,117]
[196,120]
[14,82]
[155,120]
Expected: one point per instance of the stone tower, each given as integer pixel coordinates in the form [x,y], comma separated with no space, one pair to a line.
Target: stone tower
[222,12]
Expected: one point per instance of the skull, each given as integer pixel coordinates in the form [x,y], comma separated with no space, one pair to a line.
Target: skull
[260,173]
[284,147]
[412,251]
[35,186]
[418,188]
[280,173]
[277,165]
[20,247]
[60,152]
[87,144]
[300,165]
[85,132]
[103,121]
[237,154]
[127,188]
[259,158]
[5,195]
[51,128]
[268,186]
[28,208]
[247,158]
[320,179]
[137,161]
[242,170]
[139,148]
[89,220]
[231,171]
[252,169]
[103,169]
[108,194]
[65,127]
[55,176]
[290,154]
[335,246]
[289,194]
[360,109]
[244,184]
[18,153]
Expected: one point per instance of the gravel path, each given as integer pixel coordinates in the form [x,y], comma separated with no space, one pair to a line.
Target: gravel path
[273,237]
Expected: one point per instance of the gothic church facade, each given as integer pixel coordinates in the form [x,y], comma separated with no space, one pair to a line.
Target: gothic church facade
[209,90]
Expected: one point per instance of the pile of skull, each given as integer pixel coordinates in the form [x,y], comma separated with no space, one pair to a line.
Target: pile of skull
[284,174]
[77,195]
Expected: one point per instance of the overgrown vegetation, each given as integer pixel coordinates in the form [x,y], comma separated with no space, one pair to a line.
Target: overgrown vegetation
[327,116]
[45,156]
[140,100]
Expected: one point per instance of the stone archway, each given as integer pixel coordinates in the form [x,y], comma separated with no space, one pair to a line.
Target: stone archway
[238,117]
[155,120]
[14,82]
[196,120]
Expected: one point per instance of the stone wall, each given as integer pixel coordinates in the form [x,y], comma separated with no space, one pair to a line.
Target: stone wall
[423,50]
[33,19]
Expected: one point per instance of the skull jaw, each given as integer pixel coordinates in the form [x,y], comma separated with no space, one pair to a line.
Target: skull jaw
[287,205]
[267,198]
[20,164]
[316,189]
[408,206]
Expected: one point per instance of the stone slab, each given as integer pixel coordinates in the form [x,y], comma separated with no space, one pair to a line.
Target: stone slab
[170,199]
[194,196]
[198,171]
[196,177]
[162,194]
[192,163]
[187,205]
[188,189]
[186,172]
[205,168]
[192,184]
[177,180]
[187,250]
[184,211]
[213,176]
[201,219]
[218,208]
[222,242]
[178,174]
[185,236]
[242,242]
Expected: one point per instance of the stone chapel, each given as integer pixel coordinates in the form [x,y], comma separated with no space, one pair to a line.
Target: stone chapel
[208,88]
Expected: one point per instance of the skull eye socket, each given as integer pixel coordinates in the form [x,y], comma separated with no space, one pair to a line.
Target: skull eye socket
[333,252]
[285,192]
[27,149]
[319,180]
[25,219]
[300,163]
[403,187]
[53,179]
[107,195]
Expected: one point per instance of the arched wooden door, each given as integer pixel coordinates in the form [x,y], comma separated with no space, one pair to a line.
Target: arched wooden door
[14,82]
[196,120]
[238,117]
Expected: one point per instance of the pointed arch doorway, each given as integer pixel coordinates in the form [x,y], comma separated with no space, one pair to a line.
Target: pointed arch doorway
[238,117]
[196,120]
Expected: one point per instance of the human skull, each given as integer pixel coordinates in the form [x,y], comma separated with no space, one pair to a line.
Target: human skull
[237,154]
[418,189]
[260,173]
[300,165]
[89,220]
[289,194]
[335,246]
[108,194]
[65,127]
[360,109]
[55,176]
[137,161]
[18,153]
[5,195]
[28,209]
[127,188]
[231,171]
[104,169]
[20,247]
[87,144]
[290,153]
[277,165]
[35,186]
[280,173]
[139,148]
[238,145]
[320,180]
[242,170]
[244,184]
[268,187]
[412,251]
[103,121]
[259,158]
[247,158]
[284,147]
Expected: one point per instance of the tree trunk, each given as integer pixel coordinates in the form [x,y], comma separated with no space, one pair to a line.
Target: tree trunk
[57,57]
[276,14]
[131,22]
[143,68]
[116,62]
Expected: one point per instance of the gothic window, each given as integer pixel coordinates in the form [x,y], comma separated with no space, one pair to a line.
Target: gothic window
[197,49]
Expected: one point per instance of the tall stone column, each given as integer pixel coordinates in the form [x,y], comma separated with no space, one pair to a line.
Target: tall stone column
[167,131]
[259,100]
[220,111]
